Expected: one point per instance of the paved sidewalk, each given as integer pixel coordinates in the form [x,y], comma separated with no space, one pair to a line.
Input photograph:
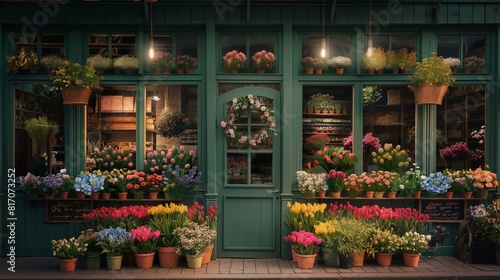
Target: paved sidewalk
[433,268]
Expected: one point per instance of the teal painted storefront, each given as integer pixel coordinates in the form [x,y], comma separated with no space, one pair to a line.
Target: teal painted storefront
[288,22]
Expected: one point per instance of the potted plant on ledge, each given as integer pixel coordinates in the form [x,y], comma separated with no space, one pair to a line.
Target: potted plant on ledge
[263,60]
[68,252]
[339,63]
[233,61]
[430,80]
[76,82]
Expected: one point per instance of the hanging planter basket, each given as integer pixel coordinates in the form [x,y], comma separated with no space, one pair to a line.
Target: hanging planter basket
[430,94]
[76,96]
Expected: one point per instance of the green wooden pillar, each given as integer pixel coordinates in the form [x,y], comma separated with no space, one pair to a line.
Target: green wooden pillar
[287,132]
[140,133]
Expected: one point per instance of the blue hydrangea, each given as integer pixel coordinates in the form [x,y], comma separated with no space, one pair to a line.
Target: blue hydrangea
[52,183]
[89,183]
[437,183]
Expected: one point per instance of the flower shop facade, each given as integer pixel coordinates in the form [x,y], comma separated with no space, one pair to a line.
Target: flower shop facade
[251,179]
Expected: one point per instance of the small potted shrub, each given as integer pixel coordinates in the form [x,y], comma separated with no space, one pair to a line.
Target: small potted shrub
[25,60]
[339,63]
[234,61]
[392,62]
[162,62]
[375,62]
[474,63]
[319,65]
[100,63]
[430,80]
[194,240]
[68,252]
[307,64]
[407,60]
[51,63]
[263,60]
[453,62]
[186,64]
[128,64]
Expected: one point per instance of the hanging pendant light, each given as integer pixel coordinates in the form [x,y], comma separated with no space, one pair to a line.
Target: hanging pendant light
[323,41]
[369,50]
[151,41]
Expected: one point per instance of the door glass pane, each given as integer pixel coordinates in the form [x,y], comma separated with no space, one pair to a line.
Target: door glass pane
[462,119]
[339,45]
[262,169]
[389,115]
[448,46]
[237,170]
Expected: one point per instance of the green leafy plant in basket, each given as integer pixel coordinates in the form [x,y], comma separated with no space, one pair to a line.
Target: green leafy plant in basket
[433,71]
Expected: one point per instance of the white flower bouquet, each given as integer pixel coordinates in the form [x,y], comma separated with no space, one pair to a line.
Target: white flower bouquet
[339,62]
[310,183]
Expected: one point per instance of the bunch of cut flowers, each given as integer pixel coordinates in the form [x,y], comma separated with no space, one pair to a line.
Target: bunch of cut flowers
[414,243]
[370,143]
[385,241]
[110,158]
[336,158]
[303,216]
[335,180]
[391,158]
[310,183]
[68,249]
[194,239]
[456,151]
[263,60]
[52,183]
[89,182]
[483,179]
[437,183]
[234,60]
[113,241]
[166,218]
[144,240]
[303,242]
[126,217]
[31,184]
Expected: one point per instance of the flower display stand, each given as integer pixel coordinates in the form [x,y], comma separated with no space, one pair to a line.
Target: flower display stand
[68,265]
[306,261]
[193,261]
[76,96]
[430,94]
[167,257]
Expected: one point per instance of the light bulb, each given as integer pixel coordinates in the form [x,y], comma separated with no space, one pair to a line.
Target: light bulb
[151,49]
[369,51]
[323,48]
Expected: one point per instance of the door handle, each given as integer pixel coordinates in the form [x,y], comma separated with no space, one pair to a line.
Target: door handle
[273,191]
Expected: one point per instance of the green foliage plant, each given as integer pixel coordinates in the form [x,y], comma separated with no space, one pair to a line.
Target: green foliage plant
[432,70]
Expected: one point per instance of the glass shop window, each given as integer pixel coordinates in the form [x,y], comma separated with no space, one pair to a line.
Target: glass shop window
[394,42]
[112,45]
[461,119]
[389,117]
[44,44]
[249,44]
[463,46]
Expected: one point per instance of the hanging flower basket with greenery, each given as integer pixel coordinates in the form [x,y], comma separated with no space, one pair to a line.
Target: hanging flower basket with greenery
[171,123]
[430,80]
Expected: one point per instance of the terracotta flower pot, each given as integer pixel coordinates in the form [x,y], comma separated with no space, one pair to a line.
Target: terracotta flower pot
[261,71]
[49,195]
[318,71]
[68,265]
[448,194]
[105,195]
[144,260]
[79,195]
[482,193]
[378,194]
[369,194]
[153,195]
[358,258]
[94,195]
[383,259]
[122,195]
[339,71]
[167,257]
[306,261]
[411,260]
[207,255]
[391,194]
[180,70]
[466,194]
[335,194]
[321,194]
[309,71]
[417,194]
[430,94]
[64,195]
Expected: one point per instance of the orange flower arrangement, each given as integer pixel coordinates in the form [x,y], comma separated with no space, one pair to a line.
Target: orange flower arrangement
[483,179]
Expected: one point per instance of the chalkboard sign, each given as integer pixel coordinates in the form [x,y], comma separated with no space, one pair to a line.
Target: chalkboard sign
[443,209]
[66,210]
